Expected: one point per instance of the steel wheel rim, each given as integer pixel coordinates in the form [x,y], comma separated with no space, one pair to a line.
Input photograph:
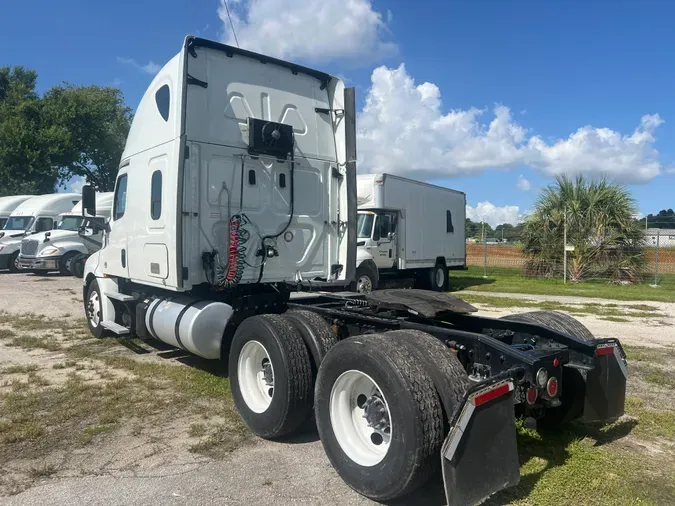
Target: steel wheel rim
[94,309]
[364,284]
[255,374]
[363,441]
[439,277]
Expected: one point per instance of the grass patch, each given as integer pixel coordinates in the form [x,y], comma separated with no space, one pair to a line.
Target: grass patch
[223,439]
[90,432]
[605,310]
[197,430]
[644,354]
[571,466]
[509,280]
[616,319]
[42,471]
[19,369]
[31,342]
[651,423]
[7,334]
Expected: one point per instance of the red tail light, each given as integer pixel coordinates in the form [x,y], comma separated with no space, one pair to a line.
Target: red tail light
[552,387]
[531,395]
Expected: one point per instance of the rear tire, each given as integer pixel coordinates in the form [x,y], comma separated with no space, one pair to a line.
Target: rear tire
[442,365]
[573,392]
[439,278]
[370,376]
[270,376]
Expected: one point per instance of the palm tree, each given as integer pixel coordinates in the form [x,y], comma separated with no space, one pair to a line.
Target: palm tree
[599,214]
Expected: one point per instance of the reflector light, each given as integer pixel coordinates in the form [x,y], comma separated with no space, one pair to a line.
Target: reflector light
[604,350]
[556,362]
[491,394]
[552,387]
[531,395]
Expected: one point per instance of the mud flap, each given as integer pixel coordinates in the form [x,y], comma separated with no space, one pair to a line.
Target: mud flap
[606,385]
[480,454]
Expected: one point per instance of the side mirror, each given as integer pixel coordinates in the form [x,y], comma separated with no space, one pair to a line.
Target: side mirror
[88,200]
[85,231]
[391,236]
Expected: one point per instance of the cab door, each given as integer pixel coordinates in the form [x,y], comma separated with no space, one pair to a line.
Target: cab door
[114,255]
[384,241]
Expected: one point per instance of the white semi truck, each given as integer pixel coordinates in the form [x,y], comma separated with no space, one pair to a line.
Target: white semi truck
[408,228]
[37,214]
[8,204]
[68,244]
[234,205]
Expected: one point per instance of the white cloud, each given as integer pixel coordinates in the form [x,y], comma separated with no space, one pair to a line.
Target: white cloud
[403,129]
[76,184]
[523,184]
[149,68]
[315,31]
[494,215]
[601,151]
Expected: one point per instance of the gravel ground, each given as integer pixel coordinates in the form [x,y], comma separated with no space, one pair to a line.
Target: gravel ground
[262,472]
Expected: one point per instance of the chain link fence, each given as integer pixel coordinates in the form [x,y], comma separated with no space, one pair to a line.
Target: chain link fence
[491,254]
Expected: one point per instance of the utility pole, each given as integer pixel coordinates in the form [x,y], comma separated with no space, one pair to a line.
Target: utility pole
[565,247]
[484,249]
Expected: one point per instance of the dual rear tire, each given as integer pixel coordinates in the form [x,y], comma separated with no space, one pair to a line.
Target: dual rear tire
[380,400]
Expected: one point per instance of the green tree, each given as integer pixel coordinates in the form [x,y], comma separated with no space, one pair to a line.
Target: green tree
[91,124]
[607,241]
[664,219]
[474,229]
[27,148]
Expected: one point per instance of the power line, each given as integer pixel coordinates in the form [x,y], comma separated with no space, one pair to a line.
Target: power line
[227,9]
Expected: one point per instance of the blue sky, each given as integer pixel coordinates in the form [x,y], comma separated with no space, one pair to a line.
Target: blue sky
[539,71]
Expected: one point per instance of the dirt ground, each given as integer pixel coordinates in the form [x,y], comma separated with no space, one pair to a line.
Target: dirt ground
[85,421]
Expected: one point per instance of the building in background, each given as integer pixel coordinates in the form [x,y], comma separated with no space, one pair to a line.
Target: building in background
[666,237]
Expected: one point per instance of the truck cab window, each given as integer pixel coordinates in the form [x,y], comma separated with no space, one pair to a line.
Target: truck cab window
[44,224]
[382,227]
[163,101]
[364,226]
[448,223]
[156,195]
[120,204]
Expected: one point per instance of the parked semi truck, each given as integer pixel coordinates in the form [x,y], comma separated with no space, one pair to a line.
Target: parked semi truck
[235,205]
[407,228]
[37,214]
[8,204]
[65,248]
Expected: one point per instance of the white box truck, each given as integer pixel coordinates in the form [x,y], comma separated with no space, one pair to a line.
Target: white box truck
[408,228]
[37,214]
[237,186]
[68,244]
[8,204]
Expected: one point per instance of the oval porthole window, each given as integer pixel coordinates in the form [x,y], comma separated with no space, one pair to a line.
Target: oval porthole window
[163,101]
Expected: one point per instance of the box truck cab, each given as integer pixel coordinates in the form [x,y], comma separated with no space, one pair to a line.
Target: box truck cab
[407,228]
[37,214]
[8,204]
[55,250]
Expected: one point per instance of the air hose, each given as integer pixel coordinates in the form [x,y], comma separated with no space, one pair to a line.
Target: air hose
[230,275]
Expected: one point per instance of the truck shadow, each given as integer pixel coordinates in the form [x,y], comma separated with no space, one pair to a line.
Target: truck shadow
[459,282]
[550,446]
